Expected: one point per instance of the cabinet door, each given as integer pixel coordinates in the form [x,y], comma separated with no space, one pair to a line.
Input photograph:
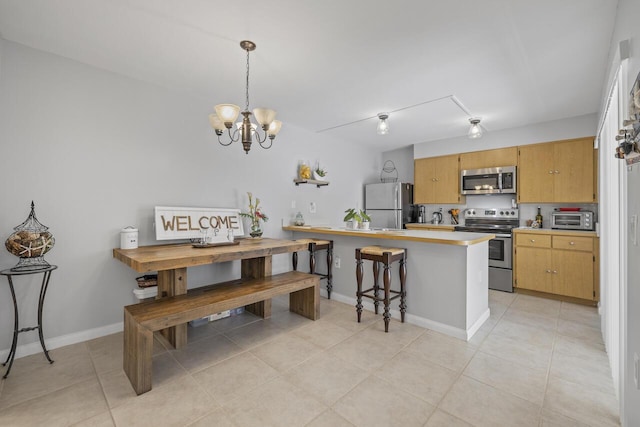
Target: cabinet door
[535,173]
[489,158]
[573,274]
[533,267]
[447,184]
[423,178]
[574,171]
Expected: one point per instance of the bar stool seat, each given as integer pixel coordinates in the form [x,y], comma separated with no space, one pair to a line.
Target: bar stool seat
[313,246]
[387,256]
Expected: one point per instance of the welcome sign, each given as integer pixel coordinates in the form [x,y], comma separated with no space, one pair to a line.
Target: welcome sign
[193,223]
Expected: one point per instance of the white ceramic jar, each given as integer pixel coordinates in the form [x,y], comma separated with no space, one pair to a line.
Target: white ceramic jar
[129,238]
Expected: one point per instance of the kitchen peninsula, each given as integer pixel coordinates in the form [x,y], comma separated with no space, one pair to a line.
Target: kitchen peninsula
[447,273]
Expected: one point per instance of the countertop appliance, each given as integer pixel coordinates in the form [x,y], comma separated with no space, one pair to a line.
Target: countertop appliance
[389,204]
[500,180]
[498,221]
[572,220]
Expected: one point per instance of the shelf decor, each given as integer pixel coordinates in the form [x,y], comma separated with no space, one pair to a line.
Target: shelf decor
[256,215]
[30,241]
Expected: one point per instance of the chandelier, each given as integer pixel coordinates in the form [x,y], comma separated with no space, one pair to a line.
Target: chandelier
[226,115]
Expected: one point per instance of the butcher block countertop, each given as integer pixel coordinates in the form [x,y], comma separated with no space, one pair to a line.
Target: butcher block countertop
[585,233]
[438,237]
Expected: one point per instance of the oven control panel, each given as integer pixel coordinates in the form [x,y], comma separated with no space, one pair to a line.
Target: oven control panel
[504,213]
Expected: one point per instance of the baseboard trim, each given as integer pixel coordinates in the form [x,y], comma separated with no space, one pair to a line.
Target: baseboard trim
[421,321]
[61,341]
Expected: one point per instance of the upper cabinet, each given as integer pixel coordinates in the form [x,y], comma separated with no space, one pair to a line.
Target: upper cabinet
[489,158]
[562,171]
[437,180]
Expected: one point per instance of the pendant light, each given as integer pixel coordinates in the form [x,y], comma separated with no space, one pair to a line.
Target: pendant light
[246,131]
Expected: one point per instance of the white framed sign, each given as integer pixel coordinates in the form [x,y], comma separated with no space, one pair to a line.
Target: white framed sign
[173,222]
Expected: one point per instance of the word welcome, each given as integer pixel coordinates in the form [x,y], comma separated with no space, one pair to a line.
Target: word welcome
[188,223]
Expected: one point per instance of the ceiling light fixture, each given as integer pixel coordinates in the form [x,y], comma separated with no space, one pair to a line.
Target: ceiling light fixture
[383,126]
[475,131]
[226,114]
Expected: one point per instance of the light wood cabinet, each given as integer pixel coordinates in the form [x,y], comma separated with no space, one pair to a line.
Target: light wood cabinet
[489,158]
[562,171]
[556,262]
[437,180]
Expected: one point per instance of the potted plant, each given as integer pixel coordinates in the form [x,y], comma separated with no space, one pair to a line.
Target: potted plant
[255,215]
[352,218]
[319,174]
[365,220]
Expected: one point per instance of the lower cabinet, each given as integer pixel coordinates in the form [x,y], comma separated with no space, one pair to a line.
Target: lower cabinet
[556,262]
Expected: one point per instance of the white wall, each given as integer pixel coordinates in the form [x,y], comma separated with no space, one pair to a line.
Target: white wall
[627,28]
[574,127]
[97,151]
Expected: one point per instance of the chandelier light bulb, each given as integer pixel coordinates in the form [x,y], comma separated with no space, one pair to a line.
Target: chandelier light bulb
[475,131]
[383,126]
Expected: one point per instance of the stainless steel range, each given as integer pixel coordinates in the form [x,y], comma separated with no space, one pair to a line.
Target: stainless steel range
[498,221]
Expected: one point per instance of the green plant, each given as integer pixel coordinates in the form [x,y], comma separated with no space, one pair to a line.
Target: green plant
[255,213]
[354,215]
[321,172]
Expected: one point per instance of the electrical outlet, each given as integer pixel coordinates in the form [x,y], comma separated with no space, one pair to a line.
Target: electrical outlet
[336,262]
[636,368]
[312,207]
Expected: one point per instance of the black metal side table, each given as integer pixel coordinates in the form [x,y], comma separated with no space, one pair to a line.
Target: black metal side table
[43,290]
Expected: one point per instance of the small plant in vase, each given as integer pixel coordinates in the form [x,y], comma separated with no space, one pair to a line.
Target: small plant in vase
[319,174]
[365,220]
[255,215]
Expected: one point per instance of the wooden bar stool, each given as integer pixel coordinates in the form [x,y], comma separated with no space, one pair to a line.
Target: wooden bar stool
[315,245]
[387,256]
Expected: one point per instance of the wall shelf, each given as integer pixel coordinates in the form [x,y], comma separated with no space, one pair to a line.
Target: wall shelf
[311,181]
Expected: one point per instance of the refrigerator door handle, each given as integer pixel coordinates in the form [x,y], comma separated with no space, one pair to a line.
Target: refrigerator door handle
[395,199]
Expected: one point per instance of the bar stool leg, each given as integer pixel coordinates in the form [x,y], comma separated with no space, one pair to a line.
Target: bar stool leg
[403,290]
[359,281]
[376,287]
[329,270]
[312,258]
[294,259]
[387,287]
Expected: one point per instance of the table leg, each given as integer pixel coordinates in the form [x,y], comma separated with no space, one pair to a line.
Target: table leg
[171,283]
[43,291]
[255,268]
[14,343]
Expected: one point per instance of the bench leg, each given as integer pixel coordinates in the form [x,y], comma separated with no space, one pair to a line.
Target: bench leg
[138,348]
[306,302]
[261,309]
[255,268]
[171,283]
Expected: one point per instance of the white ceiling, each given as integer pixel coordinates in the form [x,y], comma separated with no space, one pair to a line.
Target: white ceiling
[323,64]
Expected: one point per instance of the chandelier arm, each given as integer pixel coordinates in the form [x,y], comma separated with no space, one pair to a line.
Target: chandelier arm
[263,146]
[247,87]
[222,143]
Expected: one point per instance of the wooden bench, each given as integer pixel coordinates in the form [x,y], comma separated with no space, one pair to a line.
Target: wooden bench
[143,319]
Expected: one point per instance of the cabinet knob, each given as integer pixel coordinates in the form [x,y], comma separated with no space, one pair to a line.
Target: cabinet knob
[433,180]
[572,243]
[555,272]
[556,172]
[532,240]
[550,171]
[548,271]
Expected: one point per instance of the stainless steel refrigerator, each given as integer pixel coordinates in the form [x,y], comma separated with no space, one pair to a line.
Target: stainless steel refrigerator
[389,204]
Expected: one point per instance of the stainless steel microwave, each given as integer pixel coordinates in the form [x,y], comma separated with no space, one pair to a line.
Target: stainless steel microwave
[573,220]
[501,180]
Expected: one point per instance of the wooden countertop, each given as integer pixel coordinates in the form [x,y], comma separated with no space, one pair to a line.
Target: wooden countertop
[172,256]
[555,232]
[439,237]
[426,226]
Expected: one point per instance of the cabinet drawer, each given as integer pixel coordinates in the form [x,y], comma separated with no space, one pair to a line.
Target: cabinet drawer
[533,240]
[573,243]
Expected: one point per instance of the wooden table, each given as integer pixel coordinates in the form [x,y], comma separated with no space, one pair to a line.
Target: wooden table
[171,262]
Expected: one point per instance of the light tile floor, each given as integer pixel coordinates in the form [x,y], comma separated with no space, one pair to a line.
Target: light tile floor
[535,362]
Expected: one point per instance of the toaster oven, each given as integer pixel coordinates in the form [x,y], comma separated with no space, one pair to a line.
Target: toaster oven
[573,220]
